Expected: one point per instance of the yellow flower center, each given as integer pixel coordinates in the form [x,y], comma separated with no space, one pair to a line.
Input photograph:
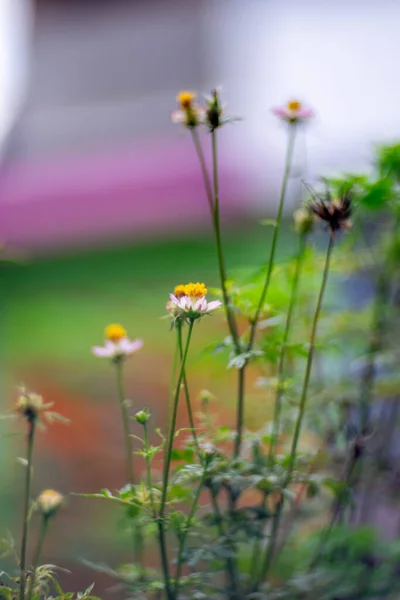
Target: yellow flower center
[195,290]
[115,332]
[179,291]
[294,105]
[185,99]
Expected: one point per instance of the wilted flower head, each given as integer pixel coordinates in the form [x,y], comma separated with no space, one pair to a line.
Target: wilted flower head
[49,502]
[117,345]
[189,113]
[190,301]
[30,405]
[293,112]
[334,211]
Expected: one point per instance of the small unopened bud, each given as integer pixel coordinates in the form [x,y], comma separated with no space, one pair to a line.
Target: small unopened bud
[303,220]
[205,396]
[49,502]
[214,111]
[142,417]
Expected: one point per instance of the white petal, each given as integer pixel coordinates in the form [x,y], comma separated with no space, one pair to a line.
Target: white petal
[103,351]
[213,305]
[174,299]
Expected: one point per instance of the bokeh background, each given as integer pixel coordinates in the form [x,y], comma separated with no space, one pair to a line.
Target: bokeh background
[102,207]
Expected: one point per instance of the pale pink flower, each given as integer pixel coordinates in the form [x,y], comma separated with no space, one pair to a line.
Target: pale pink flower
[193,307]
[293,112]
[119,349]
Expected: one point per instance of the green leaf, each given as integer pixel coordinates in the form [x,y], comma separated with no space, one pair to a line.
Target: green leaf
[268,222]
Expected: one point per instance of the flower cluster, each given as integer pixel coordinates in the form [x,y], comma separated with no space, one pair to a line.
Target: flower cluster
[293,112]
[188,302]
[117,344]
[190,113]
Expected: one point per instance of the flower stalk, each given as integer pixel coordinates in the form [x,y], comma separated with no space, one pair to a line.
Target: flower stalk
[303,399]
[282,355]
[42,535]
[167,465]
[28,482]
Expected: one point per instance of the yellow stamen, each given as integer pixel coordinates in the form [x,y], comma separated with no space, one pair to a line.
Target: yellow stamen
[115,332]
[179,291]
[294,105]
[195,290]
[185,99]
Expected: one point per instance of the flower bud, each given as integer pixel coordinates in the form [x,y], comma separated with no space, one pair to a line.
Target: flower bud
[303,220]
[142,417]
[49,502]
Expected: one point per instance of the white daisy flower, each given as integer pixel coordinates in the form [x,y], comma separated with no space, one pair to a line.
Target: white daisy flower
[189,301]
[117,344]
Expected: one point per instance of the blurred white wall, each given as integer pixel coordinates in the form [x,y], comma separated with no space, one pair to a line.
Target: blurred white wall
[341,57]
[15,49]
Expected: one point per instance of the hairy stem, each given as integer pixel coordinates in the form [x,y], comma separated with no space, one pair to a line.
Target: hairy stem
[28,482]
[42,535]
[161,515]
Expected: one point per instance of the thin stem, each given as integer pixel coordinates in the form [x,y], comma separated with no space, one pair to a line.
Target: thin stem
[221,265]
[171,385]
[137,536]
[148,469]
[28,481]
[286,175]
[186,531]
[42,535]
[125,423]
[311,349]
[276,521]
[161,530]
[282,356]
[230,564]
[240,411]
[186,390]
[203,167]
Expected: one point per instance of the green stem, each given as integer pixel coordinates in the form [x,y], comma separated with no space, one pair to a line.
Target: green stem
[136,531]
[230,564]
[271,262]
[125,423]
[276,521]
[240,411]
[280,378]
[171,386]
[148,470]
[186,390]
[311,349]
[161,530]
[221,265]
[203,167]
[42,535]
[186,530]
[28,481]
